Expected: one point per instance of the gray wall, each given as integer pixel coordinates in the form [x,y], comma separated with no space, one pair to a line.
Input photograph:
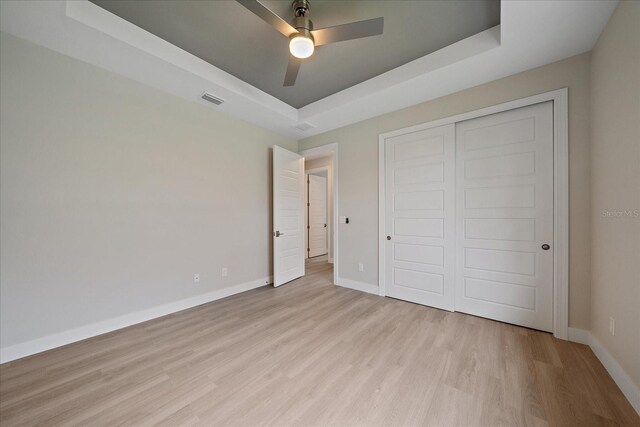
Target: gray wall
[113,194]
[358,168]
[615,183]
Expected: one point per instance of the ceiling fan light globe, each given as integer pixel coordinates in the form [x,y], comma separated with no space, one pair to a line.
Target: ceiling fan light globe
[301,47]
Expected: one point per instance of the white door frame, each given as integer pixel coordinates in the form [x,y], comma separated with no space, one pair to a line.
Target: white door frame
[560,193]
[330,149]
[330,226]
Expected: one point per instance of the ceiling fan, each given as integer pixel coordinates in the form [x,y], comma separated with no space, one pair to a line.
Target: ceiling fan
[303,38]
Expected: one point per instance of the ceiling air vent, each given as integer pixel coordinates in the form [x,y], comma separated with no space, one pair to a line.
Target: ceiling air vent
[213,99]
[304,126]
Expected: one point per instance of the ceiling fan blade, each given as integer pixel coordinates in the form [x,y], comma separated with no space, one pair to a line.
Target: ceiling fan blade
[353,30]
[292,71]
[268,16]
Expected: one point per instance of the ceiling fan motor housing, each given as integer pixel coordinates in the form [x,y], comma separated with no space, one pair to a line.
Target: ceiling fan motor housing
[301,21]
[304,26]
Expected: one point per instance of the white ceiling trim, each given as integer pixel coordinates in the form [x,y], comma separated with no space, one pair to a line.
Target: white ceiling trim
[377,88]
[531,34]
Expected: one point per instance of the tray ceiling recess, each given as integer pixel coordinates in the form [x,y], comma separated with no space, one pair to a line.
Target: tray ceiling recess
[239,37]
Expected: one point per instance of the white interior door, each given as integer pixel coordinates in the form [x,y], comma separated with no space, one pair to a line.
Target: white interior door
[288,216]
[420,217]
[504,195]
[317,209]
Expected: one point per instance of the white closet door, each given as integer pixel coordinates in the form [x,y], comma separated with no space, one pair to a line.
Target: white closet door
[419,217]
[504,199]
[317,215]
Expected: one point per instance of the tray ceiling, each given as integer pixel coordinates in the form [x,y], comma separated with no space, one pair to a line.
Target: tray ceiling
[228,36]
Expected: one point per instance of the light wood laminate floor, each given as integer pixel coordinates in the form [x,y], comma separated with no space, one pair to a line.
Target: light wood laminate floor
[310,353]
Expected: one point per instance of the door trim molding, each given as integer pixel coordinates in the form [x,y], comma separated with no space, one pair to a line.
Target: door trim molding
[330,149]
[560,193]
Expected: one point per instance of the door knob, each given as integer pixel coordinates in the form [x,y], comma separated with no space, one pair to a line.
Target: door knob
[545,247]
[278,233]
[325,226]
[388,237]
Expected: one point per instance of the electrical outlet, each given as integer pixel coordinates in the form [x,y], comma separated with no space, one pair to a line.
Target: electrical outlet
[360,266]
[225,272]
[196,278]
[612,326]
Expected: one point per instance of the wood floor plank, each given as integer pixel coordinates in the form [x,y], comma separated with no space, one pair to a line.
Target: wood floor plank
[310,353]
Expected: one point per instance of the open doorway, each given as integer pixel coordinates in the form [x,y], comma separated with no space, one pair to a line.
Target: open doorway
[320,215]
[317,212]
[319,205]
[291,248]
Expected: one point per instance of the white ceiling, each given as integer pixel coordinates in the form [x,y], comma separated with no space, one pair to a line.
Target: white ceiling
[531,34]
[228,36]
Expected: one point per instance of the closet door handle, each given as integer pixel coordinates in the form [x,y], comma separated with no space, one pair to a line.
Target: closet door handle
[546,247]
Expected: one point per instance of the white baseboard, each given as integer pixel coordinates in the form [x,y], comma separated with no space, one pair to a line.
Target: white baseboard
[358,286]
[579,335]
[49,342]
[330,260]
[622,379]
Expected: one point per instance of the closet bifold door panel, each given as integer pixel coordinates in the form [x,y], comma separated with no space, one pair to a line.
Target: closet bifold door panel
[419,203]
[504,216]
